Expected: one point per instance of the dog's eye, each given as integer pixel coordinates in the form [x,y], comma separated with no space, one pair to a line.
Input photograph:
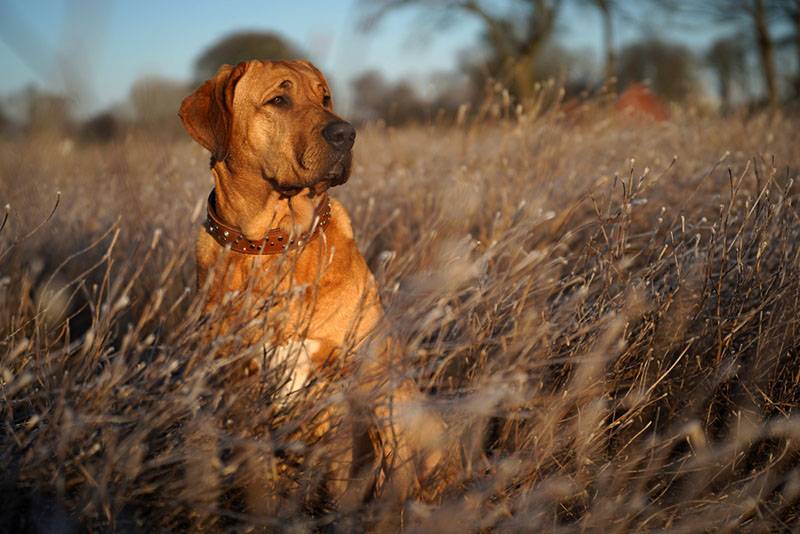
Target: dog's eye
[279,100]
[326,100]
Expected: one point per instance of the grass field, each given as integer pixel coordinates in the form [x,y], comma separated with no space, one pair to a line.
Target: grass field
[604,311]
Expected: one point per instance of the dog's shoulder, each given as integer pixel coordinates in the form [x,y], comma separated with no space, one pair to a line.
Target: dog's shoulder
[205,248]
[341,219]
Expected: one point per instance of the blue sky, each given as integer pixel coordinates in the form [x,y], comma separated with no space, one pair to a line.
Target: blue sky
[115,42]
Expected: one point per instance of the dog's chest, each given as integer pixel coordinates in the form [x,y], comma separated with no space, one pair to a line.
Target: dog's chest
[294,362]
[320,290]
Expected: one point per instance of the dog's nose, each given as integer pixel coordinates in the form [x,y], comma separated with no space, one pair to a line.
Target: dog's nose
[340,135]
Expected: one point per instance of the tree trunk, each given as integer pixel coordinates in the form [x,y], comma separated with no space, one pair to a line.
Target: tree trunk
[765,52]
[724,89]
[796,23]
[608,38]
[523,77]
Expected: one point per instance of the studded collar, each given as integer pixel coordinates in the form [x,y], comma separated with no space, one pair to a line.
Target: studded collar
[274,242]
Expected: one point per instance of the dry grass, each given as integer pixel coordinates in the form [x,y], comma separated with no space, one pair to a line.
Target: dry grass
[605,313]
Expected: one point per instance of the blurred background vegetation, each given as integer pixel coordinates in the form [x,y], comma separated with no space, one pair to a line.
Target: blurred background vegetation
[752,62]
[605,309]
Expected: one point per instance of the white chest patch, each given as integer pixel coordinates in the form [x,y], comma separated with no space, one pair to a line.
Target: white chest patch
[293,361]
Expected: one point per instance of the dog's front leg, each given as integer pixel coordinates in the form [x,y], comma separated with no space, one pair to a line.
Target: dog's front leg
[293,360]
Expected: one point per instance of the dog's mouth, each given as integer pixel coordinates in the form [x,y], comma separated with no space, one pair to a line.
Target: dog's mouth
[335,175]
[287,191]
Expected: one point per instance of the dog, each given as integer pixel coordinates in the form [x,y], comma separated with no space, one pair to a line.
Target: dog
[277,147]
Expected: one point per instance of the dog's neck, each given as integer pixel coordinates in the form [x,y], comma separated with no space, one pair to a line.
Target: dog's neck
[247,201]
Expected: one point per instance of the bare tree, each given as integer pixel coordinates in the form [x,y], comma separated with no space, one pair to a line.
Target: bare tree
[605,7]
[48,113]
[154,102]
[791,10]
[727,59]
[669,68]
[395,103]
[241,47]
[757,12]
[755,16]
[514,37]
[608,10]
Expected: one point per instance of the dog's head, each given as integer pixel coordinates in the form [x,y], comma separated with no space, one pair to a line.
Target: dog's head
[274,118]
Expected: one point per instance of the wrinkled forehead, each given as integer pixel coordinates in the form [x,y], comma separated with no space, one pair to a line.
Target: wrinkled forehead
[271,75]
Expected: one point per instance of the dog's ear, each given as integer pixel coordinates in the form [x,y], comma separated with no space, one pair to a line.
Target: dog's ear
[206,113]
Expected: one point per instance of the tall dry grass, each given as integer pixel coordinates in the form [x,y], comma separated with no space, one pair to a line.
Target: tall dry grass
[604,311]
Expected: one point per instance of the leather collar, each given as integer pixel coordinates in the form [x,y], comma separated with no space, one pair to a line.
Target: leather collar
[275,241]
